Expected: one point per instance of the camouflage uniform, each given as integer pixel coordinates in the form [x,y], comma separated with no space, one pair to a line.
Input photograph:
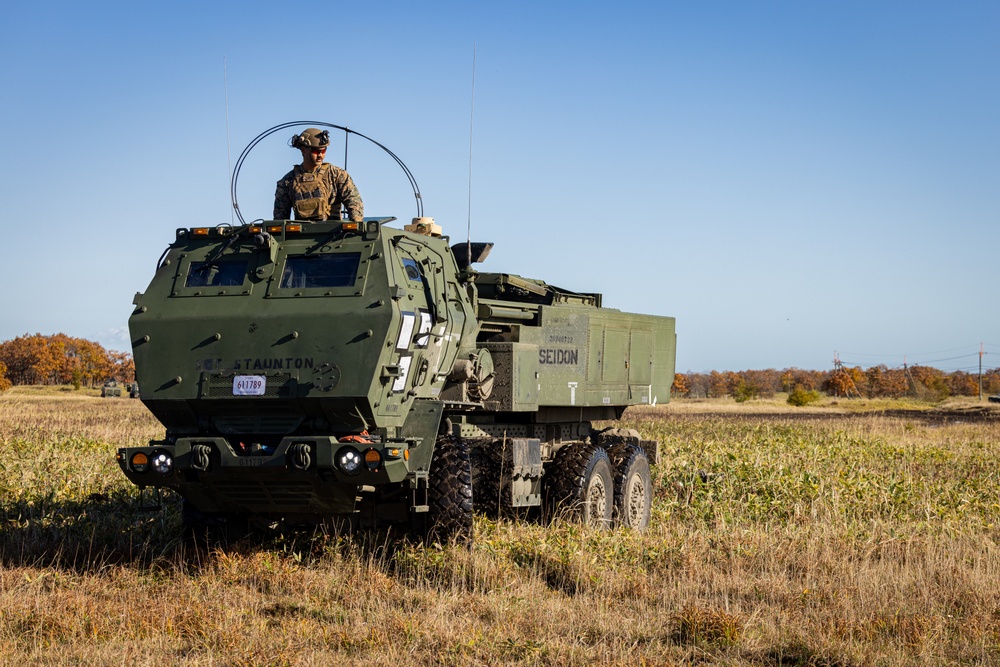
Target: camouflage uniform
[317,195]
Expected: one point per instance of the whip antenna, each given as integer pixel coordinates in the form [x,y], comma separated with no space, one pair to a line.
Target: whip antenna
[229,155]
[472,116]
[316,123]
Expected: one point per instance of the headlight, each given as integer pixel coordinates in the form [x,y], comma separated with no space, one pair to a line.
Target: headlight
[349,460]
[162,463]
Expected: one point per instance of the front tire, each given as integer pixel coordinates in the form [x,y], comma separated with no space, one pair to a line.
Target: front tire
[449,493]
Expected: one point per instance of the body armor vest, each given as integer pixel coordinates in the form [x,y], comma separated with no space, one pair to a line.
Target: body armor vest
[312,193]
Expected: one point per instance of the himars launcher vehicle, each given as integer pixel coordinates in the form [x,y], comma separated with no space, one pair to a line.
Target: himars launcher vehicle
[310,372]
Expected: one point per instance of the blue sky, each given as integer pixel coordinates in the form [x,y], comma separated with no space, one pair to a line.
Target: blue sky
[787,179]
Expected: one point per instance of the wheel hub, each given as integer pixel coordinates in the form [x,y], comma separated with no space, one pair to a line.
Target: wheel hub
[635,494]
[597,501]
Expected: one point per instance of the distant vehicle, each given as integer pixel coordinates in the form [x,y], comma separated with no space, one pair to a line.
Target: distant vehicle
[111,389]
[324,370]
[995,399]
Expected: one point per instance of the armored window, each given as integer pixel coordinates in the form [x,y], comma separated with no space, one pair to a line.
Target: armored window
[412,269]
[227,273]
[332,270]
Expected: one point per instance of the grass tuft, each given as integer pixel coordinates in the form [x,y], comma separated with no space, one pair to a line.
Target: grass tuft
[795,538]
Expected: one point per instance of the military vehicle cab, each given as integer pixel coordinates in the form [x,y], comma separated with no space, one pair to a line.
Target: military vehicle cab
[111,389]
[361,372]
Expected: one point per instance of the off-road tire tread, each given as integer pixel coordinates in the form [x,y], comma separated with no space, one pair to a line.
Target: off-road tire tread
[623,457]
[449,492]
[565,482]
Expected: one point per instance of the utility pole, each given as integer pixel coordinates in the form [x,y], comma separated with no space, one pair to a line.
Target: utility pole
[913,383]
[981,353]
[850,389]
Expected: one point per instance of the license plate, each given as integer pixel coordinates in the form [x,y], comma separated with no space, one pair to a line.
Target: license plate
[249,385]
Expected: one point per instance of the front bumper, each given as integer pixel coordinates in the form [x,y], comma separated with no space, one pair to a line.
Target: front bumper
[300,476]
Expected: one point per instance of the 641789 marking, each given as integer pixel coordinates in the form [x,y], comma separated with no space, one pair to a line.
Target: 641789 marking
[249,385]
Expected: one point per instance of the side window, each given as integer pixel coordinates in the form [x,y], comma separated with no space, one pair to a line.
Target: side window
[412,269]
[227,273]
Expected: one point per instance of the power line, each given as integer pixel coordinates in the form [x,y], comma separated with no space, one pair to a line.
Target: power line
[964,356]
[919,359]
[918,354]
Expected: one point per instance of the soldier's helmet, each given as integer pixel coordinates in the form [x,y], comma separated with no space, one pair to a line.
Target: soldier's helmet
[311,138]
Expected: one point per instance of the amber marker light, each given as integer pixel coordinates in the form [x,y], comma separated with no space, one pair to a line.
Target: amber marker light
[255,229]
[293,228]
[200,231]
[139,462]
[274,229]
[350,226]
[373,459]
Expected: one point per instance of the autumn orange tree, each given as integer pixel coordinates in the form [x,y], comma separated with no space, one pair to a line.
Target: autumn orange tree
[845,381]
[884,382]
[961,383]
[680,385]
[722,384]
[762,384]
[4,382]
[874,382]
[991,381]
[61,359]
[929,382]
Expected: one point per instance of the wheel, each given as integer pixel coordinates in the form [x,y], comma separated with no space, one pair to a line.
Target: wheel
[633,486]
[485,486]
[580,485]
[449,493]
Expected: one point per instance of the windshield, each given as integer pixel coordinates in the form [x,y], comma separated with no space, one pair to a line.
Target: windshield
[216,274]
[331,270]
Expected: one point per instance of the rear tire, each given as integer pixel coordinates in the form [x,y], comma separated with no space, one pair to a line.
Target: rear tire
[580,485]
[633,486]
[449,493]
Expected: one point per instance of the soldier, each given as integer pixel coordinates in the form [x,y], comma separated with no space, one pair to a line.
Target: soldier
[316,190]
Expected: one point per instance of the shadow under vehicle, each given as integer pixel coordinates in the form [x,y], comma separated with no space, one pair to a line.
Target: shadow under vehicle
[361,373]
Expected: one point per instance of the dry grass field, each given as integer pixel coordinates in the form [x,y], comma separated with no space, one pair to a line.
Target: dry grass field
[822,536]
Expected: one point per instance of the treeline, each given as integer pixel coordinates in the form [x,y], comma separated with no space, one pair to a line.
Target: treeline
[60,359]
[922,382]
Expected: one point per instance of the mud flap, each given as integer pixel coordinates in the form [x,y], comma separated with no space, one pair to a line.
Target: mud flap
[421,428]
[526,476]
[152,501]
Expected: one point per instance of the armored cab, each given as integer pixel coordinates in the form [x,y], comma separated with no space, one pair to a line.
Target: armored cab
[308,372]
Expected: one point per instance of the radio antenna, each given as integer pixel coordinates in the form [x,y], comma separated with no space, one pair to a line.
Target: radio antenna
[229,155]
[472,116]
